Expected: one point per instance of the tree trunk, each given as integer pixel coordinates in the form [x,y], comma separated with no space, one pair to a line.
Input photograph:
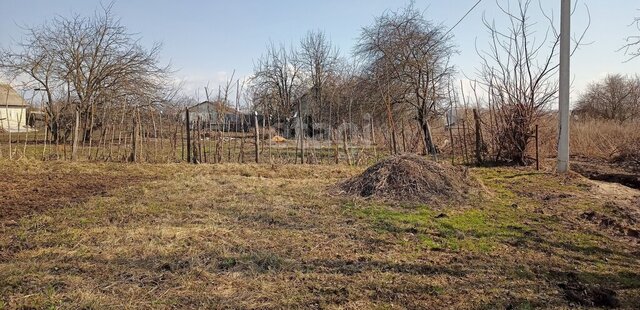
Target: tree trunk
[392,125]
[76,128]
[429,147]
[404,139]
[133,156]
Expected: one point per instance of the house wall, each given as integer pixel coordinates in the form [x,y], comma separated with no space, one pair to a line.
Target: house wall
[13,119]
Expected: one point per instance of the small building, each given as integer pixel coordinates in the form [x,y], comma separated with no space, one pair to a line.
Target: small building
[13,110]
[311,128]
[215,116]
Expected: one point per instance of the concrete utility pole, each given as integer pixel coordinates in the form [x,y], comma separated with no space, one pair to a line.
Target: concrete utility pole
[565,58]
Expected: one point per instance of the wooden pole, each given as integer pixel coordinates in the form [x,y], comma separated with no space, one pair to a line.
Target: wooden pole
[46,135]
[464,142]
[404,138]
[257,138]
[133,156]
[373,139]
[6,101]
[113,137]
[301,134]
[174,143]
[161,134]
[270,138]
[199,140]
[76,128]
[26,136]
[155,137]
[346,146]
[453,153]
[181,140]
[476,118]
[537,151]
[336,156]
[188,134]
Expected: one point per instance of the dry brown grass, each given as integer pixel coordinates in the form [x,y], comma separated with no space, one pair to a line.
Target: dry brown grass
[600,140]
[257,236]
[605,139]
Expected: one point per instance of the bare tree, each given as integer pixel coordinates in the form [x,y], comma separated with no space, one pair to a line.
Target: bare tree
[277,75]
[319,61]
[405,50]
[631,47]
[91,63]
[519,72]
[37,61]
[616,97]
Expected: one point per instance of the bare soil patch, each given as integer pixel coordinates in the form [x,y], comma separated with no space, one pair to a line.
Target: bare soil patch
[621,172]
[411,178]
[23,193]
[588,295]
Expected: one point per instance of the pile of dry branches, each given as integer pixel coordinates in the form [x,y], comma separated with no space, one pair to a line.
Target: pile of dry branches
[411,178]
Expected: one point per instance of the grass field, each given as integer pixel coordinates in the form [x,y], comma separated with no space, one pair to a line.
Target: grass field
[92,235]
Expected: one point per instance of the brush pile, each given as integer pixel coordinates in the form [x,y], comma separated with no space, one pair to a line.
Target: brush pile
[411,178]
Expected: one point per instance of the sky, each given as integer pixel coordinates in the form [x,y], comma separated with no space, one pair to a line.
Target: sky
[205,41]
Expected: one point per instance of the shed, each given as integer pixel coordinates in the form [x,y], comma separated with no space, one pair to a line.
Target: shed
[214,116]
[13,110]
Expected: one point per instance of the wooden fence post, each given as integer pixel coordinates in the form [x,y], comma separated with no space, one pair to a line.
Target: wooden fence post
[537,151]
[188,127]
[346,146]
[301,134]
[373,139]
[199,140]
[453,153]
[257,150]
[404,138]
[464,143]
[476,118]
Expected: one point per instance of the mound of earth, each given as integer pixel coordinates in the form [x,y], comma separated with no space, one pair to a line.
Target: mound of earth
[411,178]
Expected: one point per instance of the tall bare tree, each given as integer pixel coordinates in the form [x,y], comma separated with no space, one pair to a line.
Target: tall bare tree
[616,97]
[519,71]
[90,62]
[36,60]
[277,75]
[319,61]
[405,50]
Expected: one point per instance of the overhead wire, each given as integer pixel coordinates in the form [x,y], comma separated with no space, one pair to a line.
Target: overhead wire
[463,17]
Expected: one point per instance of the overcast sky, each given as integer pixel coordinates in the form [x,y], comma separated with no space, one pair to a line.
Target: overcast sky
[206,40]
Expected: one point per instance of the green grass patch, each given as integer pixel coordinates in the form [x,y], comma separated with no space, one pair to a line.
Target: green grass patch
[471,230]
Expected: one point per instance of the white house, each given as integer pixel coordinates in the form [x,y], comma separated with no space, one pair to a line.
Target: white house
[13,110]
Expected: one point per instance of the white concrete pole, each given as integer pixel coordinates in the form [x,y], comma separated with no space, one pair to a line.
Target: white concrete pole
[563,130]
